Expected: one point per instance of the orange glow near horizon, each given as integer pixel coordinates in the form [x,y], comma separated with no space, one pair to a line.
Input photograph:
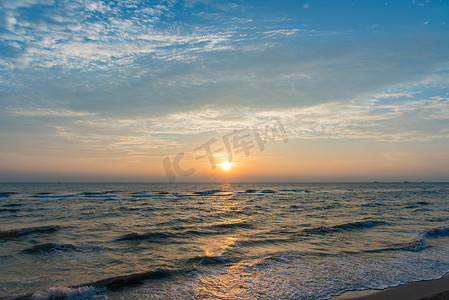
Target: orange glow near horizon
[311,160]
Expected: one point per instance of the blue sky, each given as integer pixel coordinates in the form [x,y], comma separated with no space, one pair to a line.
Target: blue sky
[97,89]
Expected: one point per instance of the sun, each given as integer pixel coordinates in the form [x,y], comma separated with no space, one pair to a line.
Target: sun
[226,165]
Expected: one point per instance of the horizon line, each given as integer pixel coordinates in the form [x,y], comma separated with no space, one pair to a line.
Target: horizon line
[219,182]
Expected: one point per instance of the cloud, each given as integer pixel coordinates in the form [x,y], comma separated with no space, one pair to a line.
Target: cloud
[90,35]
[280,32]
[367,119]
[86,34]
[417,119]
[22,111]
[267,79]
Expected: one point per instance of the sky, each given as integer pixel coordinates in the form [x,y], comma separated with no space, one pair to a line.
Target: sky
[202,90]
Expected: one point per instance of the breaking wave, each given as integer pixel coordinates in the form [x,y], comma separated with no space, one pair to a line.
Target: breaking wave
[57,293]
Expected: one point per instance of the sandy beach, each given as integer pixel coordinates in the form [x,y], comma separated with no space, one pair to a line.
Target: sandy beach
[429,290]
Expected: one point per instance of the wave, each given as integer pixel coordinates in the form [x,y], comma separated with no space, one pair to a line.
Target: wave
[103,196]
[213,229]
[304,191]
[149,195]
[209,192]
[373,204]
[49,247]
[411,206]
[421,209]
[134,236]
[10,210]
[423,203]
[124,208]
[45,195]
[12,233]
[296,190]
[437,232]
[200,232]
[207,260]
[7,194]
[12,204]
[268,191]
[95,288]
[100,193]
[415,246]
[117,282]
[342,227]
[93,193]
[143,195]
[256,192]
[264,241]
[113,191]
[59,293]
[330,206]
[417,204]
[226,225]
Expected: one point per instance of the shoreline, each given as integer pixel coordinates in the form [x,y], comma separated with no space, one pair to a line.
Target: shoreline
[433,289]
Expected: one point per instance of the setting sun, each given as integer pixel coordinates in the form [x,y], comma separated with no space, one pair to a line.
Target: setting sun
[226,165]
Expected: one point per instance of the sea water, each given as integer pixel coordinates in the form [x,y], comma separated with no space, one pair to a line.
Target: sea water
[218,241]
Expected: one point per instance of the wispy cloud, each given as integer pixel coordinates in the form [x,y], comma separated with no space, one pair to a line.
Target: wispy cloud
[417,119]
[87,34]
[22,111]
[79,34]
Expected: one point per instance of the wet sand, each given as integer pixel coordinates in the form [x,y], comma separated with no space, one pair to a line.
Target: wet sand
[429,290]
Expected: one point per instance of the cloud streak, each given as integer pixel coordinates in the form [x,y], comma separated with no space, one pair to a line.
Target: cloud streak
[413,119]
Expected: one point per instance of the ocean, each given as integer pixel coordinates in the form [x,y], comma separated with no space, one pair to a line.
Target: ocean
[218,241]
